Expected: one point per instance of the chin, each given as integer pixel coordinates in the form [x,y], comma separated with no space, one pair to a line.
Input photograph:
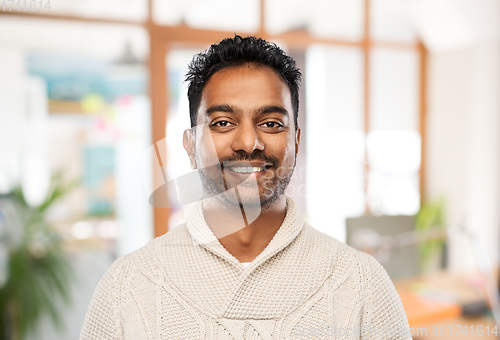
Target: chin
[267,202]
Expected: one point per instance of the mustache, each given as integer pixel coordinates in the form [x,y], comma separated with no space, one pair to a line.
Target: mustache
[245,157]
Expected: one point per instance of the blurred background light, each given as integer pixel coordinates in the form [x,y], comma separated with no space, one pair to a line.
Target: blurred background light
[82,230]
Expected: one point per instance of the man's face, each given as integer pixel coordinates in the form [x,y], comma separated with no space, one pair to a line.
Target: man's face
[245,122]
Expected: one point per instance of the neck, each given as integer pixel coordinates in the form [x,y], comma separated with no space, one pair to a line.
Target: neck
[245,241]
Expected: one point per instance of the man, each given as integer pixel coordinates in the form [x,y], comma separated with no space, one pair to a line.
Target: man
[192,283]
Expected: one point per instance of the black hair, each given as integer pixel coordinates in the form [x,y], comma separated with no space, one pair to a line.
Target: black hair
[235,52]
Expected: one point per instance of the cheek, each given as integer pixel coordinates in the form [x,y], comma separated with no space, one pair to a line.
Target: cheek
[207,153]
[285,152]
[289,153]
[222,146]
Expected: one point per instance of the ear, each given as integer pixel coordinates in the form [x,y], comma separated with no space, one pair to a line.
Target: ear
[188,141]
[297,141]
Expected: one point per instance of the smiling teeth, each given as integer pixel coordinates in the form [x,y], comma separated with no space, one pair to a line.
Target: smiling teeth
[247,170]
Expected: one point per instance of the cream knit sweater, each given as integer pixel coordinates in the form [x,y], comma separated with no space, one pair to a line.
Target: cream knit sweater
[304,285]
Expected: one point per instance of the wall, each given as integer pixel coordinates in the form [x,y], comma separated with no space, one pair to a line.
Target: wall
[464,143]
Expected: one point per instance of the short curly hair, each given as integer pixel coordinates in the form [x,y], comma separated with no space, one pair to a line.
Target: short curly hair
[235,52]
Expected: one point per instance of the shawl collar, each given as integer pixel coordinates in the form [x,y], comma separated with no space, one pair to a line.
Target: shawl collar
[202,234]
[192,265]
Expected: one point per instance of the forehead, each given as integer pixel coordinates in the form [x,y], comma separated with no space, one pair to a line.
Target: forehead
[246,85]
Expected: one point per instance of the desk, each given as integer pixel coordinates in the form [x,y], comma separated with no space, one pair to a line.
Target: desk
[453,285]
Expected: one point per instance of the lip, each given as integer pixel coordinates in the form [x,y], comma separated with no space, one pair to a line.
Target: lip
[227,164]
[244,176]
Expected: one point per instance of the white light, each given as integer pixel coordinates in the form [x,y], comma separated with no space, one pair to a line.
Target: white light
[82,230]
[108,229]
[35,164]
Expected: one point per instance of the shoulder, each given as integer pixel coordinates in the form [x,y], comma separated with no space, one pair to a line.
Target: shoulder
[350,266]
[118,269]
[383,309]
[138,268]
[359,277]
[338,250]
[347,264]
[330,244]
[144,261]
[175,237]
[375,275]
[360,269]
[128,281]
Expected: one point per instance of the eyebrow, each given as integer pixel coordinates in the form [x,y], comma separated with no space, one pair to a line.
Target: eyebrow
[260,111]
[219,108]
[272,109]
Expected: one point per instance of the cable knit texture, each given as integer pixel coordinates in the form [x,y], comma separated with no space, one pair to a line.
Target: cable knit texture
[304,285]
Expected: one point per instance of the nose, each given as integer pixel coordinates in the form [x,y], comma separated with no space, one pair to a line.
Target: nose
[247,138]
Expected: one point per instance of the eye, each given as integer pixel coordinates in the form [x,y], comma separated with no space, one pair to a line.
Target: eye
[272,125]
[222,124]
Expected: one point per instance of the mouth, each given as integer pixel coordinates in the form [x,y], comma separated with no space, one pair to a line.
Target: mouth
[247,167]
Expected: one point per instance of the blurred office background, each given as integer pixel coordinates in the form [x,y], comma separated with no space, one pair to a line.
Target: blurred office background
[400,109]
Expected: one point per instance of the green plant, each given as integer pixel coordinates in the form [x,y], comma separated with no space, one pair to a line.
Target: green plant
[38,273]
[430,218]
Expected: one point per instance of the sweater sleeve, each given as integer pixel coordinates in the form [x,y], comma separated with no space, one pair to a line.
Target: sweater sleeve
[102,319]
[385,317]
